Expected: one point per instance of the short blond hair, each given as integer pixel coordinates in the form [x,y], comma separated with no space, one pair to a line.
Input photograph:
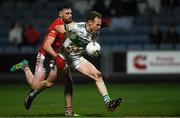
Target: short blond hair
[92,15]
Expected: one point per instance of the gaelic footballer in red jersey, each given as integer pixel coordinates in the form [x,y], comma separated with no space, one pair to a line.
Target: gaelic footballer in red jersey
[55,36]
[52,43]
[48,61]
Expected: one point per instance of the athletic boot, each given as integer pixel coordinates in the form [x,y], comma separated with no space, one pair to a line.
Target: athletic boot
[113,104]
[71,114]
[19,66]
[29,99]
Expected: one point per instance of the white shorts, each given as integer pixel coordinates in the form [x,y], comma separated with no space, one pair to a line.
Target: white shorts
[77,62]
[44,64]
[74,62]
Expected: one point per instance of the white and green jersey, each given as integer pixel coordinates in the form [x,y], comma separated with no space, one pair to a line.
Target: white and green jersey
[74,48]
[77,45]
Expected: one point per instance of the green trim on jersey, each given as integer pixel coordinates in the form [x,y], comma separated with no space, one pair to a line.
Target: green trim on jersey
[77,40]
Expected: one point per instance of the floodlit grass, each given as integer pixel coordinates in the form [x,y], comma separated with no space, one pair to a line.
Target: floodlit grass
[145,100]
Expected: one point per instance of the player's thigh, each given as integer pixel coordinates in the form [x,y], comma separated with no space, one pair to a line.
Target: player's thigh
[88,69]
[52,75]
[38,77]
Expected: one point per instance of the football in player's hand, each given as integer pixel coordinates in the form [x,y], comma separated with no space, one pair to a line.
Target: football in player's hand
[93,49]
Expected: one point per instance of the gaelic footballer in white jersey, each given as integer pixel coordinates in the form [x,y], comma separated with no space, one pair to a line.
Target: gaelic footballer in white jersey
[78,36]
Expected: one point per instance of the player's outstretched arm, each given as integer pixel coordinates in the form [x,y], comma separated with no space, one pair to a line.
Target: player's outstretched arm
[60,29]
[64,28]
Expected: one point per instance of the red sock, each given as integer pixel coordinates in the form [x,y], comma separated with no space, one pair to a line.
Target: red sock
[68,109]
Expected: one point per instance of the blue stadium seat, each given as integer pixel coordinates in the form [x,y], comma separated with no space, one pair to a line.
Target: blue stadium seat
[119,48]
[27,49]
[150,47]
[135,47]
[177,46]
[11,50]
[166,47]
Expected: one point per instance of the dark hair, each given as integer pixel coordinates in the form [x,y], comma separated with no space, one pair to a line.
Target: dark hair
[93,15]
[63,6]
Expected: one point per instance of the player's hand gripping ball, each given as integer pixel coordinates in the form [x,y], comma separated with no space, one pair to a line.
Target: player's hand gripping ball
[93,49]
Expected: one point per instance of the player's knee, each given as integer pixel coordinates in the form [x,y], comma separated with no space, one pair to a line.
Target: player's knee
[49,84]
[98,75]
[34,86]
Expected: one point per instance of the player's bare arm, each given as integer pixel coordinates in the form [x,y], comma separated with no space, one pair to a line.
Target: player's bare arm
[64,28]
[48,48]
[60,28]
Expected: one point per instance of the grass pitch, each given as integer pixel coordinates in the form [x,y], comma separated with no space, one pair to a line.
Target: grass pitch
[139,100]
